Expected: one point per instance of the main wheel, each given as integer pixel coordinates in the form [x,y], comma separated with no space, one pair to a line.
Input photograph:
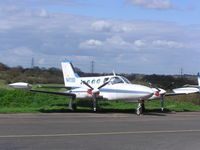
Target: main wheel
[74,107]
[139,111]
[143,107]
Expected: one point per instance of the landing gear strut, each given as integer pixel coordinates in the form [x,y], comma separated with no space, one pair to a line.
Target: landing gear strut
[162,103]
[141,108]
[72,106]
[94,102]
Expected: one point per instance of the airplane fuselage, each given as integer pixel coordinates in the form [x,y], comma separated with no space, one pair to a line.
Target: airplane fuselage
[113,91]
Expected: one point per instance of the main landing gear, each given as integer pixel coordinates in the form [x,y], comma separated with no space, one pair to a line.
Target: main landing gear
[141,108]
[72,106]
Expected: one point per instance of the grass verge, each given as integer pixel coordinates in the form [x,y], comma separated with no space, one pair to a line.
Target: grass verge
[17,101]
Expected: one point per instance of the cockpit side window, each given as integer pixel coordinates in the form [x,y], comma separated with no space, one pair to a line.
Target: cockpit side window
[116,80]
[106,79]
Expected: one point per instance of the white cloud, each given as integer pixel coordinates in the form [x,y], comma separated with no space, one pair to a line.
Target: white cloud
[101,25]
[82,58]
[22,51]
[139,43]
[167,44]
[41,61]
[43,13]
[152,4]
[117,41]
[112,26]
[90,44]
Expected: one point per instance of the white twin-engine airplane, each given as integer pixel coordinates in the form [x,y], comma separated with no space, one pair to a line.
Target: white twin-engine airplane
[111,87]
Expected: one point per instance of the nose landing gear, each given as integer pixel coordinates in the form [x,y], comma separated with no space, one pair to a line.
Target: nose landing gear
[141,108]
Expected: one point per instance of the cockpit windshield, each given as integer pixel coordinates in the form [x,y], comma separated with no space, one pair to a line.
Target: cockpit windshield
[115,80]
[119,79]
[126,80]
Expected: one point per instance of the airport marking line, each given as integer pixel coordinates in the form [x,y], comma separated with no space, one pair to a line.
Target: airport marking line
[98,133]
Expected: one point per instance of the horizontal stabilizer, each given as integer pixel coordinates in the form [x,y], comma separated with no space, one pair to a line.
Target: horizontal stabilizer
[21,85]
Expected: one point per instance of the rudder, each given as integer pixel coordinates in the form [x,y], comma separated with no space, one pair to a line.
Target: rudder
[70,77]
[198,81]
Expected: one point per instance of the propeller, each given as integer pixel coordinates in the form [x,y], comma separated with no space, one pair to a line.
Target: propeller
[94,92]
[159,93]
[87,85]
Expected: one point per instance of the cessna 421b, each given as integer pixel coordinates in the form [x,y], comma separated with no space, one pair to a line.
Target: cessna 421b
[111,87]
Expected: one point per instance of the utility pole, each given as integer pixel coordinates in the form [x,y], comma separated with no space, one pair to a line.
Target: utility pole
[181,72]
[32,62]
[92,66]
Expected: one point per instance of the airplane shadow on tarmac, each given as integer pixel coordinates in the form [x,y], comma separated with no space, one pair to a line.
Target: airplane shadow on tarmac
[154,112]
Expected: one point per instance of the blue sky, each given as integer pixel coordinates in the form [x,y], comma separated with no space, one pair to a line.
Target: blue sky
[184,12]
[129,36]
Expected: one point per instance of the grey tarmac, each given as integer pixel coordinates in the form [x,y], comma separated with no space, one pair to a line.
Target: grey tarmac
[100,131]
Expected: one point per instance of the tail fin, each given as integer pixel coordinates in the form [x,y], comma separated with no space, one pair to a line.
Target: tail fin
[199,81]
[70,77]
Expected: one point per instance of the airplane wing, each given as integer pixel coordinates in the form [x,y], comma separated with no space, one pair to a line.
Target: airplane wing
[174,94]
[194,86]
[55,93]
[183,91]
[59,87]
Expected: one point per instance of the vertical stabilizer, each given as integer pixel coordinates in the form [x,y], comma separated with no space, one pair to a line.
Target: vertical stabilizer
[70,77]
[199,81]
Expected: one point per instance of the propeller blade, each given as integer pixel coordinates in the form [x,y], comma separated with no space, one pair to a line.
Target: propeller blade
[158,89]
[103,85]
[87,85]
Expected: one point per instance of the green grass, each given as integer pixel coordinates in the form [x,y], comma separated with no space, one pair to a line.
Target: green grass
[3,85]
[172,105]
[20,101]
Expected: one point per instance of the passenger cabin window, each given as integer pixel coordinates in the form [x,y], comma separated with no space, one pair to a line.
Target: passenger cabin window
[93,81]
[98,81]
[116,80]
